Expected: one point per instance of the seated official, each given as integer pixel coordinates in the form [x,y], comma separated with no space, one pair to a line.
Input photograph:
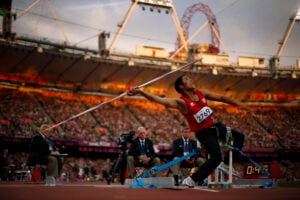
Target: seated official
[141,152]
[42,152]
[183,146]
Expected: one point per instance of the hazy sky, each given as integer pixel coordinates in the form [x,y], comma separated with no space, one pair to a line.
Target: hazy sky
[247,27]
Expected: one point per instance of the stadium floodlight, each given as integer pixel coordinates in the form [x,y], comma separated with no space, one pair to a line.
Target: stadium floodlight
[215,71]
[157,3]
[294,75]
[39,49]
[298,14]
[174,67]
[86,56]
[131,63]
[254,73]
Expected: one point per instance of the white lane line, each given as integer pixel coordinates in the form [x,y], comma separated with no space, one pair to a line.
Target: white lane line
[208,190]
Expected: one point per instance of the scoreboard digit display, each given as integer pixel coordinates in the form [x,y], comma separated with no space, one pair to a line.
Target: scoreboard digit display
[252,171]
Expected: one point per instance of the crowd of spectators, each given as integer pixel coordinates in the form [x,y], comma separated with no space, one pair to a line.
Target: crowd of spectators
[22,112]
[115,117]
[78,129]
[282,123]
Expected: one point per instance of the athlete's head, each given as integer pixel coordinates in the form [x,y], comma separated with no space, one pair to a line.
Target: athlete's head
[184,82]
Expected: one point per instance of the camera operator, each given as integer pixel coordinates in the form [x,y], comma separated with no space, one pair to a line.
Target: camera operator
[141,152]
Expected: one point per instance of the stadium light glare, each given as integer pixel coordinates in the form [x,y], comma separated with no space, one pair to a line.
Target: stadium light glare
[130,63]
[215,71]
[173,67]
[298,14]
[86,57]
[294,75]
[254,73]
[39,49]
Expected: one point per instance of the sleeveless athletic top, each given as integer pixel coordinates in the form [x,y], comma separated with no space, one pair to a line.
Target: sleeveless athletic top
[199,115]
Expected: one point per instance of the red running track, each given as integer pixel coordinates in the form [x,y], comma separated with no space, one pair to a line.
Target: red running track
[15,191]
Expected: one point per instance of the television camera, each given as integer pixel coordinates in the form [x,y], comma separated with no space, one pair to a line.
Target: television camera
[121,163]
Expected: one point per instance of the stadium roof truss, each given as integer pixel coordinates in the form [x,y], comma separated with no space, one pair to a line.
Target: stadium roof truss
[39,63]
[69,70]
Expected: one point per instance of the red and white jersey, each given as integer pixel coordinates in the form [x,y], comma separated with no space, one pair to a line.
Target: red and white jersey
[199,115]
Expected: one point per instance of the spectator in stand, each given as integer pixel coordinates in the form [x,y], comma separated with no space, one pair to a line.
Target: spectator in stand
[141,152]
[42,152]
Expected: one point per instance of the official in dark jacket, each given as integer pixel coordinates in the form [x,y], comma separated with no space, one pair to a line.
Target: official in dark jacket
[141,152]
[182,146]
[42,152]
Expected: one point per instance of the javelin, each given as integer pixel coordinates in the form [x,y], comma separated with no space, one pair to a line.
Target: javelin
[123,94]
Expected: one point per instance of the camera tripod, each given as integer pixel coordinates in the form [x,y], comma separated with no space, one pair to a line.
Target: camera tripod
[120,165]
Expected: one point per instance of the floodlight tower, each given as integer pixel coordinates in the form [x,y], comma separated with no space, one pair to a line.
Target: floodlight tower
[153,4]
[275,59]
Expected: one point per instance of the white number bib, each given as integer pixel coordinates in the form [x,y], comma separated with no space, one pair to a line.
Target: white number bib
[203,114]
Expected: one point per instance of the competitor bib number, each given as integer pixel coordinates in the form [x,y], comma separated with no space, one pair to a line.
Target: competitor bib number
[203,114]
